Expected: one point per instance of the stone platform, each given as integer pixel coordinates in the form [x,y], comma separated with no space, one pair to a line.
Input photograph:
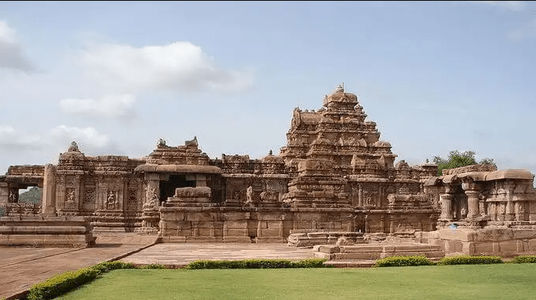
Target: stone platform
[310,239]
[41,231]
[501,241]
[181,254]
[364,255]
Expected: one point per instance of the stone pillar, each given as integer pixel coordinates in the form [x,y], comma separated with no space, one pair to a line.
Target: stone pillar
[482,206]
[510,211]
[519,210]
[4,193]
[492,207]
[472,204]
[446,206]
[48,203]
[151,215]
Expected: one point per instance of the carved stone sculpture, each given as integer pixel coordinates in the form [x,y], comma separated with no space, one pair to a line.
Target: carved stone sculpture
[111,200]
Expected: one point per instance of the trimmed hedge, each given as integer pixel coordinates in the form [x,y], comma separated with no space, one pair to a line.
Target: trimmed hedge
[256,264]
[403,261]
[63,283]
[470,260]
[112,265]
[524,259]
[154,266]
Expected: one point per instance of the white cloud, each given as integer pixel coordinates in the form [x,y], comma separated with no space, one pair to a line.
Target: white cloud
[21,147]
[11,54]
[511,5]
[526,31]
[179,66]
[55,139]
[6,33]
[87,136]
[108,106]
[11,139]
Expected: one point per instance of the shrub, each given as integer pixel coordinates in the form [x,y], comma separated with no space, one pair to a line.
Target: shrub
[154,266]
[309,263]
[524,259]
[255,264]
[112,265]
[403,261]
[470,260]
[61,284]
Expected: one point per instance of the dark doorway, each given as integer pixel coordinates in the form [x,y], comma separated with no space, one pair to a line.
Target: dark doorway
[167,188]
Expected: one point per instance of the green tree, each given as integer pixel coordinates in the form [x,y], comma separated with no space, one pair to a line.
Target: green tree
[458,159]
[32,195]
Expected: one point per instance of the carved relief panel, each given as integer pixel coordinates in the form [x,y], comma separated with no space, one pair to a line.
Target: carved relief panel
[152,192]
[370,198]
[134,195]
[369,195]
[70,195]
[68,192]
[110,194]
[112,201]
[89,197]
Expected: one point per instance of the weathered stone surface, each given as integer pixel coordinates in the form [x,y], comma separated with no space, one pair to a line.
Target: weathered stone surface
[333,175]
[310,239]
[45,231]
[374,251]
[485,211]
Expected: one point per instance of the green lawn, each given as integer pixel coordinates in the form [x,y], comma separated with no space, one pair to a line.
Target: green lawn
[505,281]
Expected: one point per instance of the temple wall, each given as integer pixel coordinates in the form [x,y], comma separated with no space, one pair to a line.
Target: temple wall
[179,224]
[103,188]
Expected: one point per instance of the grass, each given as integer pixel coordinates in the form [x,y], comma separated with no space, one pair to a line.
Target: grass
[505,281]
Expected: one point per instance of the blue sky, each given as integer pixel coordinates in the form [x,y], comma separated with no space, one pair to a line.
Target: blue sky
[115,77]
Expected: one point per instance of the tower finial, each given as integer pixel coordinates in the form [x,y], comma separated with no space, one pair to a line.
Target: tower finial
[73,147]
[340,88]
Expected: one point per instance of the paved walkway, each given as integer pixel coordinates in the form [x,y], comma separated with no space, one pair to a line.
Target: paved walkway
[182,254]
[20,268]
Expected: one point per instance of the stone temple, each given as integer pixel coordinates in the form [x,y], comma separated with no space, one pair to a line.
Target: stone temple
[334,180]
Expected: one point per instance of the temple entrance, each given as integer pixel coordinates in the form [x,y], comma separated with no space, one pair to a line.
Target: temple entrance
[167,188]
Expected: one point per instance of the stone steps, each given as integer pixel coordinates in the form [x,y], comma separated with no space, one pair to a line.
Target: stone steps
[359,256]
[365,252]
[310,239]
